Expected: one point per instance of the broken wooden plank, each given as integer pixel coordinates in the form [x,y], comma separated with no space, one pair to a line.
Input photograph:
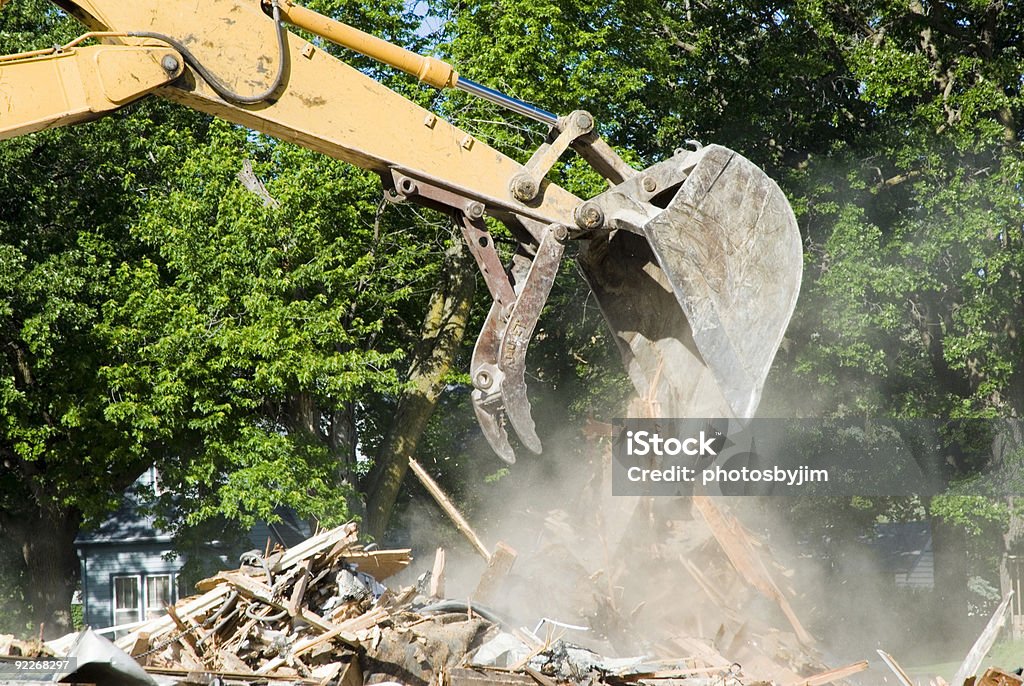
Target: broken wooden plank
[139,645]
[980,649]
[380,564]
[437,575]
[299,589]
[344,632]
[997,677]
[256,590]
[186,639]
[325,540]
[539,678]
[186,608]
[831,675]
[449,507]
[497,568]
[895,668]
[352,674]
[737,547]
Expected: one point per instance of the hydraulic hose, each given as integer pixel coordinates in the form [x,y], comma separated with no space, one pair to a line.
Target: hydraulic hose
[216,84]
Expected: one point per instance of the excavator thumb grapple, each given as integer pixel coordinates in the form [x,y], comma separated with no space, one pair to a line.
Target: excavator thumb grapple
[695,261]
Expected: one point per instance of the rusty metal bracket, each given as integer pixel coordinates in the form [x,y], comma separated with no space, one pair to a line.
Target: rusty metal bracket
[629,205]
[519,331]
[498,368]
[481,246]
[405,187]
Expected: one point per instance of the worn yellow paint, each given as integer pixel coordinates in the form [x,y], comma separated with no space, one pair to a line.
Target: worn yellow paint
[75,85]
[323,103]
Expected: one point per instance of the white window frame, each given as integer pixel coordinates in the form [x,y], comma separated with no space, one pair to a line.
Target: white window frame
[154,480]
[142,611]
[117,613]
[149,609]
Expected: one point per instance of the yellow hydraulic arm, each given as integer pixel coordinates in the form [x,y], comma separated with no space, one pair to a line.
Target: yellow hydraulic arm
[68,85]
[709,234]
[274,82]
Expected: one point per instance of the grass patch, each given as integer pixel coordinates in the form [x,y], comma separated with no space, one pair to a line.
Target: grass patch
[1007,655]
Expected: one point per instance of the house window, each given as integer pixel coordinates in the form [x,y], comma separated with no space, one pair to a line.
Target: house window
[127,599]
[158,595]
[153,477]
[138,597]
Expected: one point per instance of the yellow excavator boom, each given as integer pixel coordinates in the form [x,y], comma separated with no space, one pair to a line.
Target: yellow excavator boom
[705,235]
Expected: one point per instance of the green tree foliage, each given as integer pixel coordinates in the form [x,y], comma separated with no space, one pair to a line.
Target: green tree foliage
[259,327]
[894,128]
[69,199]
[155,311]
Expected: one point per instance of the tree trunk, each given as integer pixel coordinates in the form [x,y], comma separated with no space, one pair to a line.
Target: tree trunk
[440,337]
[1009,566]
[45,537]
[949,550]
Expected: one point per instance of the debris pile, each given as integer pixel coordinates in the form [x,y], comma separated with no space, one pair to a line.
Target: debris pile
[305,612]
[319,613]
[11,646]
[666,577]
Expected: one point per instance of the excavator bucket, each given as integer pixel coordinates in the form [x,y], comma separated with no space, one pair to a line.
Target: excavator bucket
[697,279]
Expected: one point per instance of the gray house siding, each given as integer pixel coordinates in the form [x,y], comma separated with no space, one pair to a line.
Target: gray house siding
[129,544]
[905,552]
[102,562]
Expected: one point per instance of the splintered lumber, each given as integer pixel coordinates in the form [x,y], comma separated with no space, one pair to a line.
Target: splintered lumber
[449,507]
[299,589]
[188,641]
[380,564]
[351,675]
[832,675]
[252,588]
[540,678]
[162,625]
[894,666]
[984,643]
[301,647]
[437,575]
[345,535]
[997,677]
[497,568]
[738,548]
